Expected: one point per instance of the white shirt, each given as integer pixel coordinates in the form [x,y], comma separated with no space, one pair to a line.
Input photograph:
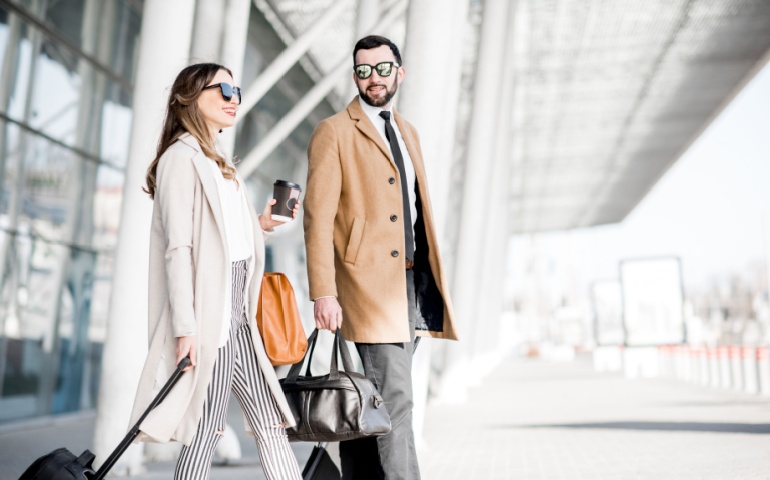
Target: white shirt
[239,242]
[232,214]
[379,123]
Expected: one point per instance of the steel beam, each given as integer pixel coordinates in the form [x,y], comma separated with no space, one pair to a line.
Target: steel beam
[286,59]
[302,109]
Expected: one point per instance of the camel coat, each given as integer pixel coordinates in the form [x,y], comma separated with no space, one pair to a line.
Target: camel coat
[190,290]
[354,243]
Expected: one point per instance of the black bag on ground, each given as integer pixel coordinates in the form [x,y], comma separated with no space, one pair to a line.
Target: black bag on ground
[342,405]
[61,464]
[320,465]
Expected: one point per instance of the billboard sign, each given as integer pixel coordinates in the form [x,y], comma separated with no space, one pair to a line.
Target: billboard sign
[653,301]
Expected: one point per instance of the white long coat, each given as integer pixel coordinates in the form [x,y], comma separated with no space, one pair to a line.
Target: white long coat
[189,290]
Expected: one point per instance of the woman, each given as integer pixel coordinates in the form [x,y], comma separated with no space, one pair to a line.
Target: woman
[206,265]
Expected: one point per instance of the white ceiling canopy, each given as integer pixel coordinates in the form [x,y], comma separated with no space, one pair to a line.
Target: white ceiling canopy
[610,94]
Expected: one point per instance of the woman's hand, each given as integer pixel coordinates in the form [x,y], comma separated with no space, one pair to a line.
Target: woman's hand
[186,346]
[266,221]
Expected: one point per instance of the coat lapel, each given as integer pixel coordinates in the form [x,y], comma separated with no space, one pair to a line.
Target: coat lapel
[411,143]
[208,181]
[414,153]
[365,126]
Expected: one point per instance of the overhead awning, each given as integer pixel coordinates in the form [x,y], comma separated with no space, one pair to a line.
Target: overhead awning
[610,94]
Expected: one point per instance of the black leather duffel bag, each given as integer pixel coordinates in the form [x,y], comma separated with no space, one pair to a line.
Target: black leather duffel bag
[343,405]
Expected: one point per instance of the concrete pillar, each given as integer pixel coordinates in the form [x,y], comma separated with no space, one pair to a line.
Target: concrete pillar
[430,93]
[219,36]
[168,23]
[234,38]
[493,255]
[480,162]
[209,28]
[232,51]
[366,19]
[428,99]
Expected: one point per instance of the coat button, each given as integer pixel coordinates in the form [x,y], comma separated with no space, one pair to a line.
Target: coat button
[391,180]
[394,253]
[393,218]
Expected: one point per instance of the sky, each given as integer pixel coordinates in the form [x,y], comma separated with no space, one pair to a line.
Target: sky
[711,208]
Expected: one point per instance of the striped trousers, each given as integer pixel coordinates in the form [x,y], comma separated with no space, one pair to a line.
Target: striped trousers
[236,370]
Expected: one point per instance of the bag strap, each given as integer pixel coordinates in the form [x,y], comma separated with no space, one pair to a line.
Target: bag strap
[334,372]
[342,347]
[297,367]
[312,350]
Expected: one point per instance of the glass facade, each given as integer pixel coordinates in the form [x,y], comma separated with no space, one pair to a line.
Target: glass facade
[67,70]
[65,117]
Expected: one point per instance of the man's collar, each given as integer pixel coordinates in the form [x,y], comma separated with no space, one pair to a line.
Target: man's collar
[370,110]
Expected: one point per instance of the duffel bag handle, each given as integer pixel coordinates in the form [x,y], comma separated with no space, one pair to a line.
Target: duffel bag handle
[342,347]
[338,346]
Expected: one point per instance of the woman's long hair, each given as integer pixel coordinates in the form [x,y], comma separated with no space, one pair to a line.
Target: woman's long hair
[183,116]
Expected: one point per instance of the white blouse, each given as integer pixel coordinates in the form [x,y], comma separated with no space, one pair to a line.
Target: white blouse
[230,197]
[239,243]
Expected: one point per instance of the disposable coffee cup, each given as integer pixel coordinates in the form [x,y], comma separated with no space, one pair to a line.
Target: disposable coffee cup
[286,195]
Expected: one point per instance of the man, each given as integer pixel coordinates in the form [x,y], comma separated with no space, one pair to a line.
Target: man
[374,267]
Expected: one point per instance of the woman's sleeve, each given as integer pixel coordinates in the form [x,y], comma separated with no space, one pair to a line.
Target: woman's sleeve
[175,195]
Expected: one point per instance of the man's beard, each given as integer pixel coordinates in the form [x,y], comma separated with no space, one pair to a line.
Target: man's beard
[378,102]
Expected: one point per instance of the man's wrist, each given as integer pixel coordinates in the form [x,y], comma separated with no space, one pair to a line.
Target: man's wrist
[325,296]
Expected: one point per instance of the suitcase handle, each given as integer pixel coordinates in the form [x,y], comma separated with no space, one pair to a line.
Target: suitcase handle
[126,442]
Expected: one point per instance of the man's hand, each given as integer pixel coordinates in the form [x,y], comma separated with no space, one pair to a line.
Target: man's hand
[328,314]
[186,346]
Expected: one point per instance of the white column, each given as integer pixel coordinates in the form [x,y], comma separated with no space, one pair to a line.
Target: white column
[209,28]
[167,23]
[234,39]
[430,92]
[367,23]
[232,51]
[493,255]
[428,99]
[478,183]
[366,18]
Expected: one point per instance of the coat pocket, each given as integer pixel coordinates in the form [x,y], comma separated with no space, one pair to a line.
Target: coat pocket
[354,242]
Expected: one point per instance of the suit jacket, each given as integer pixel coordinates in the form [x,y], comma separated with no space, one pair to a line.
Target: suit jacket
[354,249]
[189,291]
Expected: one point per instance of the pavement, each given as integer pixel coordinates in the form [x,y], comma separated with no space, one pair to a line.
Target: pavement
[529,419]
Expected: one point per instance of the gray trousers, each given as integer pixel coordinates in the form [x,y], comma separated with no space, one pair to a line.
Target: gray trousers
[389,367]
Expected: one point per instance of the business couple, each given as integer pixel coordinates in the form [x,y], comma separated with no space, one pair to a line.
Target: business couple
[373,265]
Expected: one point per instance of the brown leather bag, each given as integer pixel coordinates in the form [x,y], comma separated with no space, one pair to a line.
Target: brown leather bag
[278,321]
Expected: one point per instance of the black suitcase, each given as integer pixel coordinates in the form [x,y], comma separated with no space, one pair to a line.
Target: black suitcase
[61,464]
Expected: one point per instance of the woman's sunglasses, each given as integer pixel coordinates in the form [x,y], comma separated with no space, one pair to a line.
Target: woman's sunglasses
[227,91]
[383,69]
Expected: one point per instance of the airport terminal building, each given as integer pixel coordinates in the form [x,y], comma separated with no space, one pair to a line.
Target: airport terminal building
[564,113]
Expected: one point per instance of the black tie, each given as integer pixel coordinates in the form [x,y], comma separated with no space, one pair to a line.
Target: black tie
[390,134]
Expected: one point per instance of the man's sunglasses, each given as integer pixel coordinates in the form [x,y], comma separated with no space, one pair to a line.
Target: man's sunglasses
[384,69]
[227,91]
